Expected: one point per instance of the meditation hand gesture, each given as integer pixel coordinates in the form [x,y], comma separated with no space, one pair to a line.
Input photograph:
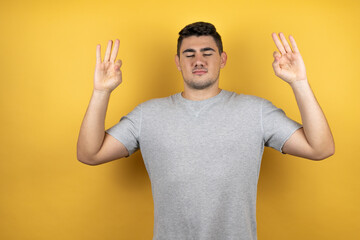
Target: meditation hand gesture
[107,73]
[288,64]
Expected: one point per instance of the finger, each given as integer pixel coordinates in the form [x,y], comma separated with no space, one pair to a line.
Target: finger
[98,54]
[118,64]
[278,43]
[293,44]
[108,50]
[276,55]
[285,43]
[115,50]
[276,66]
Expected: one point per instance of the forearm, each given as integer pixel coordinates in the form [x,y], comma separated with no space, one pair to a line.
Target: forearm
[92,130]
[316,128]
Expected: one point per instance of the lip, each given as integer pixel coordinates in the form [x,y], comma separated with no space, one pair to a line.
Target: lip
[199,72]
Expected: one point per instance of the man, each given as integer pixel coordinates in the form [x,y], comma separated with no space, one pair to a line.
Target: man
[202,148]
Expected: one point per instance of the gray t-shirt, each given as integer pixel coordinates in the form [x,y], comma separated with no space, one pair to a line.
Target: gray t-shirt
[203,159]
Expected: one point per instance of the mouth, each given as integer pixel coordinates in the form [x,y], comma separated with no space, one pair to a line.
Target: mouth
[199,71]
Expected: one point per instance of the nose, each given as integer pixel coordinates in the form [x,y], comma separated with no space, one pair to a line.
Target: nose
[199,61]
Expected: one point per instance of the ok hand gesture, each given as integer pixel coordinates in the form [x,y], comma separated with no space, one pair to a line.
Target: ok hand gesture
[107,73]
[288,64]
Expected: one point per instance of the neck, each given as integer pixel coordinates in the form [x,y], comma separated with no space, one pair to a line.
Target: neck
[198,95]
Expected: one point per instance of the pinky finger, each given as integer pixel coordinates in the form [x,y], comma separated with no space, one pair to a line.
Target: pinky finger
[118,64]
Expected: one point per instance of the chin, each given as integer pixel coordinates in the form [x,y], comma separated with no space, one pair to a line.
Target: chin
[199,85]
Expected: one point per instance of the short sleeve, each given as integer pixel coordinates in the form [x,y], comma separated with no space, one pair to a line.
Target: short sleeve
[277,127]
[127,130]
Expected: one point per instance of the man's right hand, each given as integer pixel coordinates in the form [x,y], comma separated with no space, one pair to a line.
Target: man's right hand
[107,73]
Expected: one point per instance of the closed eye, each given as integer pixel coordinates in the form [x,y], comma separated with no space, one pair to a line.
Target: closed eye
[207,54]
[189,56]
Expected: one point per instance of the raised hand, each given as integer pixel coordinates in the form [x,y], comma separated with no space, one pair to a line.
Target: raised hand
[288,64]
[107,73]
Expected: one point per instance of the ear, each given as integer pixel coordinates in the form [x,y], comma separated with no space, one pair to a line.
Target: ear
[223,59]
[177,62]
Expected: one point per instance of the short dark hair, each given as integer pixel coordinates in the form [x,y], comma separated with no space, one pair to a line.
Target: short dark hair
[199,29]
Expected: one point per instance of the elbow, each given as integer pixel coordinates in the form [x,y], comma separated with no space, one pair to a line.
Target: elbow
[86,159]
[325,153]
[87,162]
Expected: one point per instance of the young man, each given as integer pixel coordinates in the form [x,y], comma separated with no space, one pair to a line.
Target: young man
[202,148]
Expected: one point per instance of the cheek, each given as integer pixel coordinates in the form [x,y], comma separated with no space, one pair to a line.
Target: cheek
[215,65]
[185,66]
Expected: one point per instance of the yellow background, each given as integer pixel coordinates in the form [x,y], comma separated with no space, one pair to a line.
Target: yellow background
[47,64]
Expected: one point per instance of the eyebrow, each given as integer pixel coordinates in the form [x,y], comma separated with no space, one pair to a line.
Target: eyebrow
[201,50]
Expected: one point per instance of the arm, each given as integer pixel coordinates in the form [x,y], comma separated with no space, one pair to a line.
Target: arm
[94,146]
[314,140]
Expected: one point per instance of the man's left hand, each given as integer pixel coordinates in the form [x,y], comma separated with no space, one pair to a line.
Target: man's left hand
[288,64]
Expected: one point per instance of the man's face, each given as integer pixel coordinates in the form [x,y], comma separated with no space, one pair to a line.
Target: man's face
[200,61]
